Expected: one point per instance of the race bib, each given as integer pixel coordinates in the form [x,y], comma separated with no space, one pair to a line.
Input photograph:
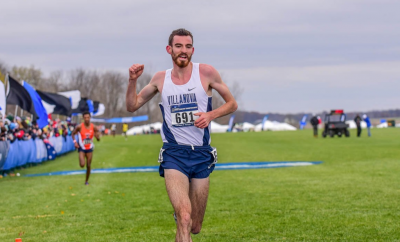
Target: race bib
[183,115]
[87,141]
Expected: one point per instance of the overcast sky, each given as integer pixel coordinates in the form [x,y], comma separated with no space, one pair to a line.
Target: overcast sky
[287,55]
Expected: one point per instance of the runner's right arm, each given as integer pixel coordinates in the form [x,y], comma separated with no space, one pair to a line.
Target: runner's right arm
[76,130]
[135,101]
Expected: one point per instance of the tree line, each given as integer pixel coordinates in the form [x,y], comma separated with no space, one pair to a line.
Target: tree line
[106,86]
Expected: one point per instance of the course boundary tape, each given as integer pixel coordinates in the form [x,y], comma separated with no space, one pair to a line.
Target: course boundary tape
[219,166]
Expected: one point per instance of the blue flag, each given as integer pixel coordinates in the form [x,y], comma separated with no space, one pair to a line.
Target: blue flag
[37,103]
[231,123]
[90,105]
[263,122]
[303,122]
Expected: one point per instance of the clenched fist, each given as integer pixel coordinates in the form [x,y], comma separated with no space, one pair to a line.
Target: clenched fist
[135,71]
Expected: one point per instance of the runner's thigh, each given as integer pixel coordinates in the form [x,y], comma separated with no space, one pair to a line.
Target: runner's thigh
[198,193]
[177,185]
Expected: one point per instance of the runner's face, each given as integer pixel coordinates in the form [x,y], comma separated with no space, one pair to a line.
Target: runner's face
[181,50]
[86,119]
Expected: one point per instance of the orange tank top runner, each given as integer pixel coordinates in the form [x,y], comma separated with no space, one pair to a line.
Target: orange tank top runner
[86,137]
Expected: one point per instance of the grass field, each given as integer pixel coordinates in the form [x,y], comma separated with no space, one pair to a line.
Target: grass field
[353,196]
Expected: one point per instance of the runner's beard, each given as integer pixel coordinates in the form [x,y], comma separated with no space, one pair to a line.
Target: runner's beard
[180,63]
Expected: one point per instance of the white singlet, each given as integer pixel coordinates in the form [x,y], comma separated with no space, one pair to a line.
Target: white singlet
[178,106]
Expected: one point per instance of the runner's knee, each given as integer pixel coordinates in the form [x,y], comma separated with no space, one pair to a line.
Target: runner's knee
[81,163]
[184,218]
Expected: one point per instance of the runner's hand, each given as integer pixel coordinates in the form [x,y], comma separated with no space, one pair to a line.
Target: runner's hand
[135,71]
[203,121]
[76,145]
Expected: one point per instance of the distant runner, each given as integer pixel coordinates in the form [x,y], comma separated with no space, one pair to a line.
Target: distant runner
[113,128]
[85,145]
[124,130]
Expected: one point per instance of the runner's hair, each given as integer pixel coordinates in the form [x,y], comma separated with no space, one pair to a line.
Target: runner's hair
[179,32]
[86,112]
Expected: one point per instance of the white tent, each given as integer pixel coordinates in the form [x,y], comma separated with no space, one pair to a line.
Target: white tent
[352,124]
[135,130]
[284,127]
[218,128]
[382,125]
[274,126]
[268,125]
[144,128]
[246,126]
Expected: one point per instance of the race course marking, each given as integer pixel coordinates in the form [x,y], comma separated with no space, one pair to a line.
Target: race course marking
[218,166]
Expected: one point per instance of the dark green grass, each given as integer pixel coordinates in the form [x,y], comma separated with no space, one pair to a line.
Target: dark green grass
[352,196]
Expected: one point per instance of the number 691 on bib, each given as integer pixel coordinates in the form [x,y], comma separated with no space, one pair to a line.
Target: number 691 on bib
[183,115]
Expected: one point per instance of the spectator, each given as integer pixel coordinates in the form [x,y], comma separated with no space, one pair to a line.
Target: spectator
[358,120]
[314,122]
[3,135]
[20,134]
[113,128]
[368,122]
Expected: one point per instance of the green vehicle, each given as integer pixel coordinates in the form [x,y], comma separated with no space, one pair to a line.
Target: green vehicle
[335,124]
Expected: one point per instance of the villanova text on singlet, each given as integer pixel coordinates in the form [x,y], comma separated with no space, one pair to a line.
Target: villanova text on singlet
[178,106]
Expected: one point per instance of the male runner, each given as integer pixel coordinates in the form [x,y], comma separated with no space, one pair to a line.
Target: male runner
[113,129]
[124,130]
[85,131]
[186,158]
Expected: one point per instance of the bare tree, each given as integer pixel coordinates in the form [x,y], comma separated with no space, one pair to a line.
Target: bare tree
[29,74]
[85,81]
[3,71]
[54,83]
[108,87]
[76,78]
[111,89]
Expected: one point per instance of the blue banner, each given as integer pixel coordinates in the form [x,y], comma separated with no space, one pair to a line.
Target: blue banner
[20,152]
[121,120]
[37,103]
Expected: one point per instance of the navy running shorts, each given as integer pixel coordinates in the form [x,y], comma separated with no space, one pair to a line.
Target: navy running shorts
[193,161]
[84,151]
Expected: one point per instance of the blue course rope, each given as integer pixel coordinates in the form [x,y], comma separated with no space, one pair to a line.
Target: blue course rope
[219,166]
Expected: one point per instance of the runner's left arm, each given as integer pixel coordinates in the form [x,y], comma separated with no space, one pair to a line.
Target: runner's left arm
[96,132]
[228,107]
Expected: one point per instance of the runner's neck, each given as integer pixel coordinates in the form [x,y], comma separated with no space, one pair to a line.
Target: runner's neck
[181,76]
